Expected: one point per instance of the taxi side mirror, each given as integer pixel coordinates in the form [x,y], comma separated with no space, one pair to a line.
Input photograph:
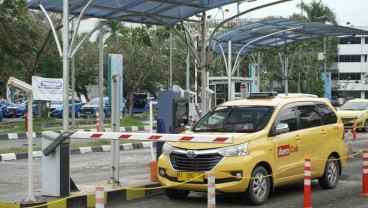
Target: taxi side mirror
[281,128]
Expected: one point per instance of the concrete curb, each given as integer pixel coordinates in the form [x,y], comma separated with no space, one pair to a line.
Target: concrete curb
[80,150]
[10,136]
[88,199]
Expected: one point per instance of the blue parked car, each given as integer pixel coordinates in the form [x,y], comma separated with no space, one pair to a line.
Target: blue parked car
[89,109]
[11,111]
[22,108]
[1,115]
[56,108]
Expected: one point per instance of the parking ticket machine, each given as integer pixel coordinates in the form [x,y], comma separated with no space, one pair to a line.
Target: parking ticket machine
[173,113]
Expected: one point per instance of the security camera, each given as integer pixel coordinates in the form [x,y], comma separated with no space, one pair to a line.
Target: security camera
[20,84]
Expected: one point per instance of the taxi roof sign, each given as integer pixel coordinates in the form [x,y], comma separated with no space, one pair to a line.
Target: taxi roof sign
[255,95]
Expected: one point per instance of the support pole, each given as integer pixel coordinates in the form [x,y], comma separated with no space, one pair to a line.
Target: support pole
[115,122]
[30,197]
[100,77]
[203,67]
[229,73]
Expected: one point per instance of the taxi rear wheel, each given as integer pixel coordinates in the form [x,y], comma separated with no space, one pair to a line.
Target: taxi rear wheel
[176,194]
[331,174]
[259,187]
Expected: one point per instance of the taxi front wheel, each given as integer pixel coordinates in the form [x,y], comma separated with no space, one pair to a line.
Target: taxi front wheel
[259,187]
[331,174]
[176,194]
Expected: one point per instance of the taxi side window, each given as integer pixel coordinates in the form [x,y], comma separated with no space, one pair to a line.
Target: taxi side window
[287,115]
[327,114]
[308,116]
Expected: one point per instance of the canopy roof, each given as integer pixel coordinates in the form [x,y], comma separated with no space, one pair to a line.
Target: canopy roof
[277,32]
[139,11]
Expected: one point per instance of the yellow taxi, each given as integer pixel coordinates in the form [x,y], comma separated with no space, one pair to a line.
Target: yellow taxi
[272,137]
[354,111]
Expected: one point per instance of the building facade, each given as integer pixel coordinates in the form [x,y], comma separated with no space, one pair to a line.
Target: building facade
[350,69]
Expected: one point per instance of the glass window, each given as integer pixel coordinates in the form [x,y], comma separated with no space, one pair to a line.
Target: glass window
[287,116]
[327,114]
[308,116]
[357,106]
[235,119]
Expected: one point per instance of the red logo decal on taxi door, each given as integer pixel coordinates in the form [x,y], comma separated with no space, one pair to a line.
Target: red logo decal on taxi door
[283,150]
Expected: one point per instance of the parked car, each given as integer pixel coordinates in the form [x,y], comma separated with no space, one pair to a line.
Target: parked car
[3,104]
[21,111]
[11,111]
[56,108]
[1,115]
[355,110]
[89,109]
[271,138]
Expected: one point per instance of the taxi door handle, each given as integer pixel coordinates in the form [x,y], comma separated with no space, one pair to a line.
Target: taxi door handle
[298,138]
[323,132]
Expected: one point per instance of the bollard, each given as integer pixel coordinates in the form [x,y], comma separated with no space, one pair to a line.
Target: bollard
[365,174]
[307,183]
[211,192]
[97,120]
[100,197]
[354,130]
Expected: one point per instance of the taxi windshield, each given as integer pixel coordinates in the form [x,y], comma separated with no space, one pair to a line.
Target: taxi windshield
[235,119]
[355,106]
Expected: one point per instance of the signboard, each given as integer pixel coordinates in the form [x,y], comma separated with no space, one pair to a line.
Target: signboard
[115,66]
[50,89]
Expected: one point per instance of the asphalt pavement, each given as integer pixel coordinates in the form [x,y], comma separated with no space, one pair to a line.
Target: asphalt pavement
[91,169]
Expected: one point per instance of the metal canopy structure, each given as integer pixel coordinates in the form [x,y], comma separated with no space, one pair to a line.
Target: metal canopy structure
[138,11]
[276,33]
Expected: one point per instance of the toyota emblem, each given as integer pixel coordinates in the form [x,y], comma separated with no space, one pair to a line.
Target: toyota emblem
[191,154]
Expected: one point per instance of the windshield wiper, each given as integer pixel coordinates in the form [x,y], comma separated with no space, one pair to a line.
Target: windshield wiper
[214,130]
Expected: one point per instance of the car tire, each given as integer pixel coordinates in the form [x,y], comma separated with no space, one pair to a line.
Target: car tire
[176,194]
[259,187]
[365,128]
[330,176]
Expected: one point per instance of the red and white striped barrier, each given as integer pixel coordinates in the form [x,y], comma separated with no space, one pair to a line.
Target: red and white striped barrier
[211,192]
[100,197]
[199,138]
[97,120]
[365,174]
[307,182]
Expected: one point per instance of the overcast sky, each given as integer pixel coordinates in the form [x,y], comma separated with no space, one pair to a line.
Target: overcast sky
[353,11]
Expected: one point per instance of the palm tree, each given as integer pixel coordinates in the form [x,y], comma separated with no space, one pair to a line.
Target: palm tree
[318,12]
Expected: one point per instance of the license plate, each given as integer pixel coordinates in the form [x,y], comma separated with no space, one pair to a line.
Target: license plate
[196,176]
[88,112]
[11,111]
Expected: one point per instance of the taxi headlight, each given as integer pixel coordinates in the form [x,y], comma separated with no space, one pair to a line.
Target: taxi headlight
[359,116]
[167,149]
[236,150]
